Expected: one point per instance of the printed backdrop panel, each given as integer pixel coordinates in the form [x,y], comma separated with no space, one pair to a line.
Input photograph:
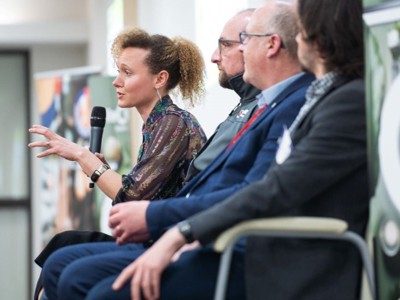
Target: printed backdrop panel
[65,101]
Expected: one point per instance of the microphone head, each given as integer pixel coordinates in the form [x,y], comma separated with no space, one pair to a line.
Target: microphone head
[98,117]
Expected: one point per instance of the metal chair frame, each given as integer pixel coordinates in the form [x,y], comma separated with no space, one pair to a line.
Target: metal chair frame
[292,227]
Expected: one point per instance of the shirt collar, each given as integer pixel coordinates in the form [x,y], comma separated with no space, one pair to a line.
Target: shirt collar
[320,86]
[246,91]
[268,95]
[159,110]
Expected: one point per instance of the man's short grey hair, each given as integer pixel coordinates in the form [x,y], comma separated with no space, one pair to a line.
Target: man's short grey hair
[283,22]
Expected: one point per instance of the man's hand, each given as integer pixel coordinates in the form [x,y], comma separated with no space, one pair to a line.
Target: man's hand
[128,220]
[146,270]
[185,248]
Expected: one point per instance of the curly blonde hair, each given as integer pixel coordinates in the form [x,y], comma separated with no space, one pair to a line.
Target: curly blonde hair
[180,57]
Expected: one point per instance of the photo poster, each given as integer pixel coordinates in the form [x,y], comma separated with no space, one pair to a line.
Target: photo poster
[117,142]
[382,50]
[65,100]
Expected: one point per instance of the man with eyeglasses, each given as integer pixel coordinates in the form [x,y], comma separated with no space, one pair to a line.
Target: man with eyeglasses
[244,37]
[230,64]
[88,271]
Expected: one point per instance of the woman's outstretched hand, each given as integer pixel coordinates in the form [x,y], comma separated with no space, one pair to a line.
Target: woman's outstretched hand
[55,144]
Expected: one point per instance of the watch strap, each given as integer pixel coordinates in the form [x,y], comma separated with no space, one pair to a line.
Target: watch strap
[98,172]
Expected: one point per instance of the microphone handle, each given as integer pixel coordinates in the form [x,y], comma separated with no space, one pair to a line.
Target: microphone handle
[96,136]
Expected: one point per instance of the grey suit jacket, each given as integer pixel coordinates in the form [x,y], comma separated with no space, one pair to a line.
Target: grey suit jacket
[325,175]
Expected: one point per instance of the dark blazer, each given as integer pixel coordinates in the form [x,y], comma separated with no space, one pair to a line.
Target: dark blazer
[245,162]
[325,176]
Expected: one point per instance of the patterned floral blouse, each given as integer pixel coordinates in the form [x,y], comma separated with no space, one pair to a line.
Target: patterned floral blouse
[171,139]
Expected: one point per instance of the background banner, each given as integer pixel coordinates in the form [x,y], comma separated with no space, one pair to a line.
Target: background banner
[382,41]
[65,100]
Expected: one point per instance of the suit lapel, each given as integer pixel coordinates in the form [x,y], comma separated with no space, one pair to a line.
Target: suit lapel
[294,86]
[299,83]
[339,82]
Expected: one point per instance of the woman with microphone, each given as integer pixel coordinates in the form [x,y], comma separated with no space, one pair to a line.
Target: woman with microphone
[149,68]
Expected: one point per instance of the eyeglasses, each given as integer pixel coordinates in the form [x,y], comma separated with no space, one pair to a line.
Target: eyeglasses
[224,43]
[244,37]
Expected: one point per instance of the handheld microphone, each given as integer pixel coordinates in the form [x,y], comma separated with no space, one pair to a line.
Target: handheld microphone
[97,123]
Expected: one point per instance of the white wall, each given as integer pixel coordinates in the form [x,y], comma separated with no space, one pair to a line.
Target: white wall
[48,57]
[42,11]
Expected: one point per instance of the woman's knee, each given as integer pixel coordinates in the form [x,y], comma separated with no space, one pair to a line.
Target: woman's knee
[72,282]
[53,266]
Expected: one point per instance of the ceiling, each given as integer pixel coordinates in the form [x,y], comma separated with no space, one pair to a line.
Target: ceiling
[44,21]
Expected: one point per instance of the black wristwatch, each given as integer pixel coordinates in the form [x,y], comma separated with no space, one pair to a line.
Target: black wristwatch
[185,229]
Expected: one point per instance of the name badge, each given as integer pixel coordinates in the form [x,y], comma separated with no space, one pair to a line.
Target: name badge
[285,147]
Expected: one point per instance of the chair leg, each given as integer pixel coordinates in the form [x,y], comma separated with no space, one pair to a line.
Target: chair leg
[38,288]
[223,274]
[360,244]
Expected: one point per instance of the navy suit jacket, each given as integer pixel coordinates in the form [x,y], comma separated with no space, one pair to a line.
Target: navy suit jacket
[245,162]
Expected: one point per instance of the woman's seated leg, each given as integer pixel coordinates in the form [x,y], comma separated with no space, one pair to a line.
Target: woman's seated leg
[63,258]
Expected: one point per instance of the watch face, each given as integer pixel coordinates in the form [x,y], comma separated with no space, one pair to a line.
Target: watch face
[186,231]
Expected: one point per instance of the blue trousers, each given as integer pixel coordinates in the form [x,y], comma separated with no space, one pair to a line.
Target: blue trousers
[87,271]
